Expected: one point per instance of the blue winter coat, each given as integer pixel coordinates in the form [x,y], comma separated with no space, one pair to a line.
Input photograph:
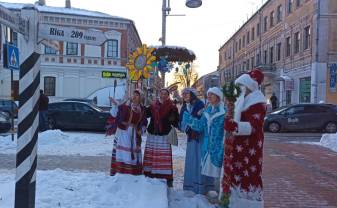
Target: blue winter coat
[211,124]
[196,106]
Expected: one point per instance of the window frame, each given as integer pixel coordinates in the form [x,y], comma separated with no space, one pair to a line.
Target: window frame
[49,88]
[71,46]
[114,45]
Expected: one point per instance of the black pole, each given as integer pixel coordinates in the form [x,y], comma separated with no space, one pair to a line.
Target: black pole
[12,104]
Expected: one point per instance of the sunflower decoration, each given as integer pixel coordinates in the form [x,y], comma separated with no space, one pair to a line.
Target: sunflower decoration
[140,63]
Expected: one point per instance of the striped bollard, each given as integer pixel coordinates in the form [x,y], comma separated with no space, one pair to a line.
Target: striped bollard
[28,119]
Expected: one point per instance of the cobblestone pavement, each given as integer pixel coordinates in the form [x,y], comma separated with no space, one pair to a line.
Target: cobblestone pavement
[299,175]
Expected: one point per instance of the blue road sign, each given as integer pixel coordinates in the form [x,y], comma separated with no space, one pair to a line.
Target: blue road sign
[13,57]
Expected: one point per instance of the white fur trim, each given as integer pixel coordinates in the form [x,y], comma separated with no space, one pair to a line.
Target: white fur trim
[247,81]
[211,118]
[208,169]
[242,199]
[216,91]
[254,98]
[244,129]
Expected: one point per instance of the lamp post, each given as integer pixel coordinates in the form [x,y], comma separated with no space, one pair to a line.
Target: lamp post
[166,12]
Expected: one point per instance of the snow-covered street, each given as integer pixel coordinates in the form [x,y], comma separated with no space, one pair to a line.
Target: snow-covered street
[73,172]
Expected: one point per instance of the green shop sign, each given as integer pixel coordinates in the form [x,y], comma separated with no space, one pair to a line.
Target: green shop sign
[113,74]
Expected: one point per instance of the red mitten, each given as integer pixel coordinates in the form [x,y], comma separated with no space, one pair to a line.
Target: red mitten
[230,125]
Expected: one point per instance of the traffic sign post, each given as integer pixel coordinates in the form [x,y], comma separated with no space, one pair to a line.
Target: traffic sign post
[29,85]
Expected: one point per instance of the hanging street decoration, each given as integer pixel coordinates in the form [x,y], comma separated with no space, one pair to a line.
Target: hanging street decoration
[141,63]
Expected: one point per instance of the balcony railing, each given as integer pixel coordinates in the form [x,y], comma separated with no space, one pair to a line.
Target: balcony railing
[84,60]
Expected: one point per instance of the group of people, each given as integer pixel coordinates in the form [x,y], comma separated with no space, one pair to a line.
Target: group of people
[223,154]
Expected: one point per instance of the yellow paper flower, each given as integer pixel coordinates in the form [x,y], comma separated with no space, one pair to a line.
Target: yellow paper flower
[139,64]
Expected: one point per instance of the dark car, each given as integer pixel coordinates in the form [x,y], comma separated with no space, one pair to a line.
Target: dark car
[303,117]
[6,106]
[76,115]
[5,124]
[85,100]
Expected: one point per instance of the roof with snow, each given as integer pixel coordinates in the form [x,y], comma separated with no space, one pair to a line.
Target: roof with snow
[174,53]
[62,10]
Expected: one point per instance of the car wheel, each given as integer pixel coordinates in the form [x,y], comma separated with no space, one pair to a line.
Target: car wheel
[331,127]
[51,123]
[274,127]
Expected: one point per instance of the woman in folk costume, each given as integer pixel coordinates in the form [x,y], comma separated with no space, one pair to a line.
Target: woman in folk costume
[211,125]
[243,162]
[193,180]
[130,119]
[158,152]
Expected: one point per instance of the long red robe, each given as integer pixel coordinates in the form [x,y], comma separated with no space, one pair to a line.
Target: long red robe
[243,162]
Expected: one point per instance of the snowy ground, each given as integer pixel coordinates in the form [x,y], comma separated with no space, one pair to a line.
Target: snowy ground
[328,141]
[65,189]
[58,188]
[56,142]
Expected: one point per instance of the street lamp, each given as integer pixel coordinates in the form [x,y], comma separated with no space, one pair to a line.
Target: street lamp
[193,3]
[166,12]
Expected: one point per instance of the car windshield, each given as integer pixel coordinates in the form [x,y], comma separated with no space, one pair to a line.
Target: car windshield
[278,110]
[95,107]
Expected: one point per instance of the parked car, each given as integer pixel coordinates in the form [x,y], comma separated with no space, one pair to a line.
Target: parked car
[6,106]
[303,117]
[81,100]
[5,124]
[76,115]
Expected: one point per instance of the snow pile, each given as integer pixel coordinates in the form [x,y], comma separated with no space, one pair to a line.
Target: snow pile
[56,142]
[329,141]
[187,199]
[59,188]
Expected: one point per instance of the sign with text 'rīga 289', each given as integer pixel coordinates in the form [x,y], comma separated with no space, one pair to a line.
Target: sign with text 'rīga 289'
[71,34]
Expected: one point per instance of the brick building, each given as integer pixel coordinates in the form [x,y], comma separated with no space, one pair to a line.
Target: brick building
[295,43]
[75,70]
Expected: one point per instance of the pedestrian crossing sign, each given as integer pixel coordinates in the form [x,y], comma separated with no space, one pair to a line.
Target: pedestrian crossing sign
[12,57]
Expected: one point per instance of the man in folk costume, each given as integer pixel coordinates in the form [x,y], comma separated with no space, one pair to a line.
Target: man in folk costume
[158,152]
[130,120]
[211,126]
[243,162]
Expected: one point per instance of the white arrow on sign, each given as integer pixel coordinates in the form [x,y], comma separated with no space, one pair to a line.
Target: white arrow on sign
[71,34]
[13,21]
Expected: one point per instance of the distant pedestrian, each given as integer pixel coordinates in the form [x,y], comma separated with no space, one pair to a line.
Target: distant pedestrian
[273,100]
[43,110]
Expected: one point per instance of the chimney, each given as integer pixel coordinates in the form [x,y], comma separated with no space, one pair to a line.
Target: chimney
[68,4]
[42,2]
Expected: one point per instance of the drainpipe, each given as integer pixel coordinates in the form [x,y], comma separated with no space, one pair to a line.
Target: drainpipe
[315,82]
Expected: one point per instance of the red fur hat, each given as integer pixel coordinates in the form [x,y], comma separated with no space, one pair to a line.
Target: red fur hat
[257,75]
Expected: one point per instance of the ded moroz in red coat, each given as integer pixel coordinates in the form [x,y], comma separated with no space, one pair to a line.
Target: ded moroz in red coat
[243,163]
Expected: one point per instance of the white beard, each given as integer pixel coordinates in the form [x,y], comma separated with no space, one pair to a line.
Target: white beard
[239,105]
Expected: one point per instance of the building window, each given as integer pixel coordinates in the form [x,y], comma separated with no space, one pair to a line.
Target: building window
[258,29]
[72,49]
[253,34]
[297,39]
[265,56]
[290,6]
[307,38]
[298,3]
[305,89]
[279,13]
[240,44]
[248,37]
[236,46]
[49,86]
[243,41]
[252,62]
[265,24]
[271,55]
[272,17]
[49,50]
[112,48]
[279,49]
[288,46]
